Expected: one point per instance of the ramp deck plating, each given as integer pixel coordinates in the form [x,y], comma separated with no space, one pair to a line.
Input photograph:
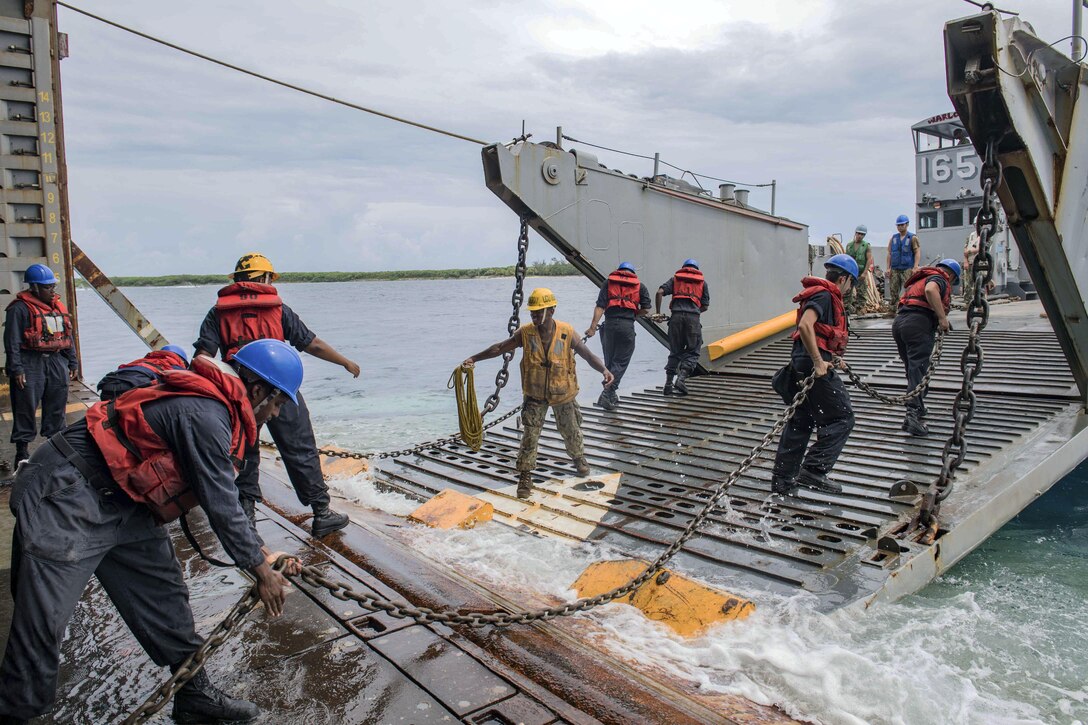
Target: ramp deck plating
[671,451]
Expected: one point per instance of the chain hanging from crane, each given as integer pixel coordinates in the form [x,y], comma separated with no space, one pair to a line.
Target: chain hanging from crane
[978,316]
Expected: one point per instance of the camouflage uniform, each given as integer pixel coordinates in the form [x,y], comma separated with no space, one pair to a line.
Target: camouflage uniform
[568,419]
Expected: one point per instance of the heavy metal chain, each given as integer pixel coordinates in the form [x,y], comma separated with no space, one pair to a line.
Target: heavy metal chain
[501,378]
[423,615]
[189,668]
[516,298]
[923,384]
[978,315]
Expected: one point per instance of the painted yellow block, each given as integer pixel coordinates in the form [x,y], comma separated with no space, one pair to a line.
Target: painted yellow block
[336,467]
[452,509]
[751,335]
[686,606]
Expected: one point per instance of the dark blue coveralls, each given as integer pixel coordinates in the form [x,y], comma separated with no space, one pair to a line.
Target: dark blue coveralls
[826,409]
[72,522]
[291,430]
[618,332]
[47,375]
[915,331]
[685,329]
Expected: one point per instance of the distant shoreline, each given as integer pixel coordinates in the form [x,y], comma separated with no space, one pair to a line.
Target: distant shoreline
[554,268]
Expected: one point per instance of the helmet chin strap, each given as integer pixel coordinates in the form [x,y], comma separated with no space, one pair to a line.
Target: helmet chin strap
[267,401]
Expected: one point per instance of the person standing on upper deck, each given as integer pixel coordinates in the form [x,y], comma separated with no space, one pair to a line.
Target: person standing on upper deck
[862,253]
[549,379]
[923,310]
[621,300]
[821,335]
[904,257]
[41,358]
[251,309]
[690,298]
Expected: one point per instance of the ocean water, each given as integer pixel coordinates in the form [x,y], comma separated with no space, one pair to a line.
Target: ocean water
[1001,638]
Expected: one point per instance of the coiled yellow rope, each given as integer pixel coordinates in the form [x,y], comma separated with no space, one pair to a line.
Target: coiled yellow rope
[468,410]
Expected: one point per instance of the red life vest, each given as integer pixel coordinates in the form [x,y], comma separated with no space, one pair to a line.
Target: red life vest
[829,338]
[36,336]
[157,362]
[623,290]
[140,461]
[914,290]
[688,284]
[248,311]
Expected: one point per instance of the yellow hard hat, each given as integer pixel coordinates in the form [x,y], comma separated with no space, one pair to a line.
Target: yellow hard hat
[255,263]
[541,299]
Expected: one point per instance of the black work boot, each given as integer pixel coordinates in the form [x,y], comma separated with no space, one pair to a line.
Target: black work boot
[525,484]
[326,521]
[614,398]
[914,425]
[22,453]
[609,399]
[668,385]
[681,378]
[602,399]
[581,465]
[783,486]
[199,701]
[817,482]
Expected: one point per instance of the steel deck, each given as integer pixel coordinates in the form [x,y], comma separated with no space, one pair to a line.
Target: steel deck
[670,451]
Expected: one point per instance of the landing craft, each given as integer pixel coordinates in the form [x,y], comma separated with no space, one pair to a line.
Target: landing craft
[664,459]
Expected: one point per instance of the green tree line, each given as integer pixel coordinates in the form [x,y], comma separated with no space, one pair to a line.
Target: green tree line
[554,268]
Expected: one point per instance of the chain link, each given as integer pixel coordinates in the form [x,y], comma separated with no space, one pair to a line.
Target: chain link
[971,360]
[157,700]
[923,384]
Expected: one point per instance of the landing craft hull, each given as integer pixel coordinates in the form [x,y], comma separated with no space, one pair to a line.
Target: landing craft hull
[598,217]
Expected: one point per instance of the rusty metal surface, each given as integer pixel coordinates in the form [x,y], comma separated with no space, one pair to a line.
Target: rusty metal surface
[117,300]
[670,451]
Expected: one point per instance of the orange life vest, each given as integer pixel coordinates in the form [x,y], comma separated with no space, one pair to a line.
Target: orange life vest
[623,290]
[140,461]
[42,335]
[688,284]
[829,338]
[914,290]
[248,311]
[157,362]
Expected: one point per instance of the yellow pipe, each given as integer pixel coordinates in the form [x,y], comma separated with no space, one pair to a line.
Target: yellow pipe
[752,335]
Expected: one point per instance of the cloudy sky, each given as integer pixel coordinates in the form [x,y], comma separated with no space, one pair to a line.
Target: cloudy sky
[180,166]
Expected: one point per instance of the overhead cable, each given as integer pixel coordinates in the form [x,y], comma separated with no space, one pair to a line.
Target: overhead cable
[269,79]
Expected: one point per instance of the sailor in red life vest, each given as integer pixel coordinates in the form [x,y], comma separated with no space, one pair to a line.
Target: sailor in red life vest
[690,298]
[41,358]
[621,300]
[93,499]
[145,371]
[923,309]
[821,333]
[251,309]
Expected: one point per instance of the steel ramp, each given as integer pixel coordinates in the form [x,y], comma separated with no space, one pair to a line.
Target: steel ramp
[670,452]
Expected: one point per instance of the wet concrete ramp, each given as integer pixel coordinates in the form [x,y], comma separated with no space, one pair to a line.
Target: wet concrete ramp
[669,452]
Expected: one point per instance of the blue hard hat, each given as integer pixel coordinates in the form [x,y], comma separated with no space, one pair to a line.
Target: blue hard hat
[952,265]
[690,263]
[177,350]
[39,274]
[861,229]
[902,219]
[627,266]
[844,262]
[274,362]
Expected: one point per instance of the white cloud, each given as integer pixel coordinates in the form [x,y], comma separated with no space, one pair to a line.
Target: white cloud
[177,165]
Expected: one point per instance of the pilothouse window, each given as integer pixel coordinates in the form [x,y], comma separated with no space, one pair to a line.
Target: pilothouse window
[927,220]
[953,217]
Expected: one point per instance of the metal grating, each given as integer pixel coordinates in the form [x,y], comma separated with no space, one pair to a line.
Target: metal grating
[671,451]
